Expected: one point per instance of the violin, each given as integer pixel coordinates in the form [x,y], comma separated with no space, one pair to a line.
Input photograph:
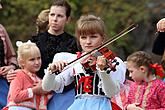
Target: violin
[90,62]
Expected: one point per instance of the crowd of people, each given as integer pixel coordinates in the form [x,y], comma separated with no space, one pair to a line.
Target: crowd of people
[41,77]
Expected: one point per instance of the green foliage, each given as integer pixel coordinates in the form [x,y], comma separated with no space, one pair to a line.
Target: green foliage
[117,14]
[18,16]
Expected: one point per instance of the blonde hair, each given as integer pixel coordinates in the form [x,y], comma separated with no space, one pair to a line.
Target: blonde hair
[140,58]
[27,50]
[42,21]
[90,24]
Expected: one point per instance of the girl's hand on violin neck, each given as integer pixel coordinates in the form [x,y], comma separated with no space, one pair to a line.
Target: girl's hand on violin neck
[57,66]
[101,62]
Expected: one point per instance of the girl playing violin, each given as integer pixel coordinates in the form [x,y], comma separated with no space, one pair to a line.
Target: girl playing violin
[93,87]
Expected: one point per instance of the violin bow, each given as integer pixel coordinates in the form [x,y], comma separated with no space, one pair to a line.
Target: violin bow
[111,40]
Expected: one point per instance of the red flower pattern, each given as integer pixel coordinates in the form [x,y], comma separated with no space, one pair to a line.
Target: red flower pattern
[87,83]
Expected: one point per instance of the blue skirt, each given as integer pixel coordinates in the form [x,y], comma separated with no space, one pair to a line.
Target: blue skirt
[61,101]
[4,88]
[91,103]
[19,108]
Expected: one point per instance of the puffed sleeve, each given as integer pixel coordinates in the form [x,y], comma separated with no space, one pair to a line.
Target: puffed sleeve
[111,87]
[120,72]
[57,82]
[111,82]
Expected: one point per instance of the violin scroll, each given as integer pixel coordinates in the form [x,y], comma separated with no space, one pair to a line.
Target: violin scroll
[111,66]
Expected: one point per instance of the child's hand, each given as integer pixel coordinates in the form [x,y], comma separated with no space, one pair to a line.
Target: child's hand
[101,62]
[57,66]
[134,106]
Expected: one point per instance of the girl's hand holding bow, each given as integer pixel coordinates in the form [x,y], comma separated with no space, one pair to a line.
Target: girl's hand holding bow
[57,67]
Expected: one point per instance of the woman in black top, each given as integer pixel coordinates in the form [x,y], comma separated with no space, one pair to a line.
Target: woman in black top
[53,41]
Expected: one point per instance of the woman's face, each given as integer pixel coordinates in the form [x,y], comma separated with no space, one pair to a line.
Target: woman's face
[90,42]
[57,19]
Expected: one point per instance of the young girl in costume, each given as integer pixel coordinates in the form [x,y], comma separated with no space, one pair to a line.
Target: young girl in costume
[147,93]
[93,88]
[25,91]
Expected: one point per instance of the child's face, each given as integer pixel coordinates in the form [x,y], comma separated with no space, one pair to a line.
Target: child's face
[136,73]
[89,42]
[33,63]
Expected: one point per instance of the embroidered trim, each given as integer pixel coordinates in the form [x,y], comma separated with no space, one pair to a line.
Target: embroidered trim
[147,90]
[137,94]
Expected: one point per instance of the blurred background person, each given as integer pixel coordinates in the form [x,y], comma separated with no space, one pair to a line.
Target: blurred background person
[7,62]
[42,21]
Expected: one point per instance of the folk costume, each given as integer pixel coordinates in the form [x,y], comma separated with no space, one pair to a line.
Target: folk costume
[93,89]
[150,95]
[121,98]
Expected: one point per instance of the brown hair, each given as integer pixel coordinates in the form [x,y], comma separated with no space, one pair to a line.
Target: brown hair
[140,58]
[63,3]
[90,24]
[42,21]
